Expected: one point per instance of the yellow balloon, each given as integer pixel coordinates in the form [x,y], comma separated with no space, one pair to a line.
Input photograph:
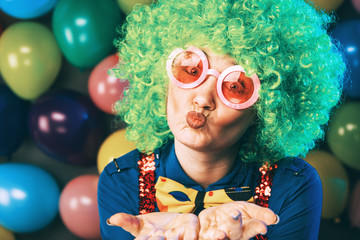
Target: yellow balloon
[326,5]
[6,234]
[114,146]
[4,159]
[127,5]
[30,59]
[335,182]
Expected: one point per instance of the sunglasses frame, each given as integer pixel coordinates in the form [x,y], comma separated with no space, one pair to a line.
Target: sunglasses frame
[220,77]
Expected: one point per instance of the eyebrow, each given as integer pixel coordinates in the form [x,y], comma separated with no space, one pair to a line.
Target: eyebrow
[207,56]
[204,51]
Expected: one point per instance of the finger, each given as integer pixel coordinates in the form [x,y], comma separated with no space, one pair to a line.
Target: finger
[252,228]
[204,214]
[205,217]
[172,234]
[264,214]
[192,228]
[142,238]
[128,222]
[191,234]
[157,234]
[157,238]
[235,225]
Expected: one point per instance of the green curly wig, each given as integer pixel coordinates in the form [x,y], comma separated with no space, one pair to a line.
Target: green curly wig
[285,42]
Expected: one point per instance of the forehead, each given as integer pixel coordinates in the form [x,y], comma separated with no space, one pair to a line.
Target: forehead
[218,58]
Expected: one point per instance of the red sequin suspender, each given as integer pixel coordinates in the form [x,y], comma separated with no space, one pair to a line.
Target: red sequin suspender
[147,185]
[263,190]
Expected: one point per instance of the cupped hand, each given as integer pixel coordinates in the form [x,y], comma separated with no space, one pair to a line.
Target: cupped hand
[235,221]
[158,225]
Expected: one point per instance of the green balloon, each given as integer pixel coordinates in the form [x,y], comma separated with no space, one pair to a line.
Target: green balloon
[85,30]
[127,5]
[343,135]
[30,59]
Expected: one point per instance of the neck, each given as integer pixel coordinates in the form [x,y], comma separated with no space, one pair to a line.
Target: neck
[205,168]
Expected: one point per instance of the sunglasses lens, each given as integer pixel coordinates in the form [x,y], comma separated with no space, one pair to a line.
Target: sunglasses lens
[237,88]
[187,67]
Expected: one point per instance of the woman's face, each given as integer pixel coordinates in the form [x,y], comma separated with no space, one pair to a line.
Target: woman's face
[199,119]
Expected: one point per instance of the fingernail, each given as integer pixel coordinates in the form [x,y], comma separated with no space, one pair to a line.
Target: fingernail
[235,215]
[277,220]
[108,222]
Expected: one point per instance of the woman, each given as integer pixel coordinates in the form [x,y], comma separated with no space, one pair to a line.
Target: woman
[224,97]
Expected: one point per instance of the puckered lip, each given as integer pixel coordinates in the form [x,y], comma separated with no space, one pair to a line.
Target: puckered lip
[195,119]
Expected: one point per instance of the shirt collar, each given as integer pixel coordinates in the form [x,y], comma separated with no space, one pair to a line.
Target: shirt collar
[173,170]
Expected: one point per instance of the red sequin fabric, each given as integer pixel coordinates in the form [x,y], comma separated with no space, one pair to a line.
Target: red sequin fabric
[263,190]
[147,183]
[147,186]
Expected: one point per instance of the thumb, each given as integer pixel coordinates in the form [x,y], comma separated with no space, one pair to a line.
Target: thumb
[254,227]
[129,223]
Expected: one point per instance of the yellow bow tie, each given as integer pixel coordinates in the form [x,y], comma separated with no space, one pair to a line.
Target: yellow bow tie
[172,196]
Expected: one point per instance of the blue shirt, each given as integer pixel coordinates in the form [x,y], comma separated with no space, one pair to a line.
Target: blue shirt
[296,194]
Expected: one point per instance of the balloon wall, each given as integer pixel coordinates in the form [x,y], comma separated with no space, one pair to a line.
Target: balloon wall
[337,158]
[57,129]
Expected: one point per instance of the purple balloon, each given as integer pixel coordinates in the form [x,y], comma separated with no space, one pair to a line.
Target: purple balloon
[67,126]
[13,115]
[348,34]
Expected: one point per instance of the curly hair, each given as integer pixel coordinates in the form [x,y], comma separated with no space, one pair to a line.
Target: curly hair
[284,42]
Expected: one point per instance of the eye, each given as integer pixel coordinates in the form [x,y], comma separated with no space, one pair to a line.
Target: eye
[193,71]
[236,87]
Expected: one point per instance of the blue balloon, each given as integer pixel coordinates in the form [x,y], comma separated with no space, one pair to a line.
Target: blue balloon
[26,9]
[348,34]
[67,126]
[29,197]
[13,121]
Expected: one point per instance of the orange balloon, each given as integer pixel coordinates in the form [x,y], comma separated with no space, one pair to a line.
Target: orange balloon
[78,206]
[104,89]
[327,5]
[356,4]
[114,146]
[127,5]
[6,234]
[335,182]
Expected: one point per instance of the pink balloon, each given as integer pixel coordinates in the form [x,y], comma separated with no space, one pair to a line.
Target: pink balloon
[354,209]
[78,207]
[356,4]
[105,90]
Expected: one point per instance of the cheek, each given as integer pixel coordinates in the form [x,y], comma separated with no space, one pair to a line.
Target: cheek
[172,107]
[237,122]
[176,100]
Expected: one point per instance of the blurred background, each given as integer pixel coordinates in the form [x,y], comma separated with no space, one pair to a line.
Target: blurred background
[57,129]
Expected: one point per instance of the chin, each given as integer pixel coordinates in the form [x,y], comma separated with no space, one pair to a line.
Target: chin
[196,143]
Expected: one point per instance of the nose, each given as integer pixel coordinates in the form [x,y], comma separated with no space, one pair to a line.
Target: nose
[205,94]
